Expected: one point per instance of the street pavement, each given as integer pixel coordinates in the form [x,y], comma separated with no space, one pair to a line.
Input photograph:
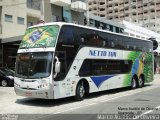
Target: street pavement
[139,101]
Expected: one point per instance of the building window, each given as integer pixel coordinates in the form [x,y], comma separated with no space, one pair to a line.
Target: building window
[29,24]
[34,4]
[8,18]
[20,20]
[67,17]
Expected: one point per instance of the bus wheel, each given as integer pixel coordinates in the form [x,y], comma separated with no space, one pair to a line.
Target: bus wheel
[133,83]
[80,91]
[141,81]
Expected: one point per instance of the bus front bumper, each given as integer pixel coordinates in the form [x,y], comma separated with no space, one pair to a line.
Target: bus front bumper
[43,93]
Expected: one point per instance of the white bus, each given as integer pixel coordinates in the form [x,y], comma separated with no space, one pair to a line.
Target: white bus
[58,60]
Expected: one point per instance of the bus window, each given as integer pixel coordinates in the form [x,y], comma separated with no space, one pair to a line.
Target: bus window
[112,44]
[149,47]
[111,41]
[92,39]
[128,44]
[137,44]
[85,69]
[105,39]
[99,67]
[141,46]
[134,47]
[66,35]
[127,64]
[118,42]
[95,67]
[80,35]
[100,40]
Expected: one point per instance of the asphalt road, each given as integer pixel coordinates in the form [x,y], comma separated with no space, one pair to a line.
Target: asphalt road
[140,102]
[142,105]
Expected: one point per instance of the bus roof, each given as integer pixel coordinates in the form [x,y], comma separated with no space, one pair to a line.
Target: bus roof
[87,27]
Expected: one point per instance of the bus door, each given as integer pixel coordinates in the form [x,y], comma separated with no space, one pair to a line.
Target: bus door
[62,58]
[60,86]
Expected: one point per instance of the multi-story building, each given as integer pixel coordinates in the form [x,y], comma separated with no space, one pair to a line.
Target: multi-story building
[17,15]
[144,12]
[104,24]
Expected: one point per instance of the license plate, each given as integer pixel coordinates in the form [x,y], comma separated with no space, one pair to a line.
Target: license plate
[28,94]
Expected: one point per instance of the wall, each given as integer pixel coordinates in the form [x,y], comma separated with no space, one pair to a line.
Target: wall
[56,12]
[47,11]
[78,17]
[16,8]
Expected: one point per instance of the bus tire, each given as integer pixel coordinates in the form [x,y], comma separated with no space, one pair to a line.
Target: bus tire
[141,81]
[80,91]
[134,83]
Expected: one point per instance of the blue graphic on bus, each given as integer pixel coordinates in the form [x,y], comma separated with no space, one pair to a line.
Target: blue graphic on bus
[138,65]
[98,80]
[102,53]
[35,36]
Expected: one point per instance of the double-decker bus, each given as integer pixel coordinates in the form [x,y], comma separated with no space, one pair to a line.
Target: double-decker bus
[58,60]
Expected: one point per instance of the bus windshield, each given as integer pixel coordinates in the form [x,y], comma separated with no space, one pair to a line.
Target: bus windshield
[33,65]
[42,36]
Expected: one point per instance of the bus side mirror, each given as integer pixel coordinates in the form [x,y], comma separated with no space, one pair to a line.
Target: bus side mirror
[57,66]
[155,43]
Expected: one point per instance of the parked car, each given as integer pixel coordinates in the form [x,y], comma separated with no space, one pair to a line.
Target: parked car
[6,77]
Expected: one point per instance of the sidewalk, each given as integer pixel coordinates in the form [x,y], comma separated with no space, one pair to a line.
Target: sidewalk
[156,79]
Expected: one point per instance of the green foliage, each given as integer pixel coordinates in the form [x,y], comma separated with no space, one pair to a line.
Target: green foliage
[131,56]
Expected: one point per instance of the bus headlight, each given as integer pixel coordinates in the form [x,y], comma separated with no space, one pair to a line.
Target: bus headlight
[45,83]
